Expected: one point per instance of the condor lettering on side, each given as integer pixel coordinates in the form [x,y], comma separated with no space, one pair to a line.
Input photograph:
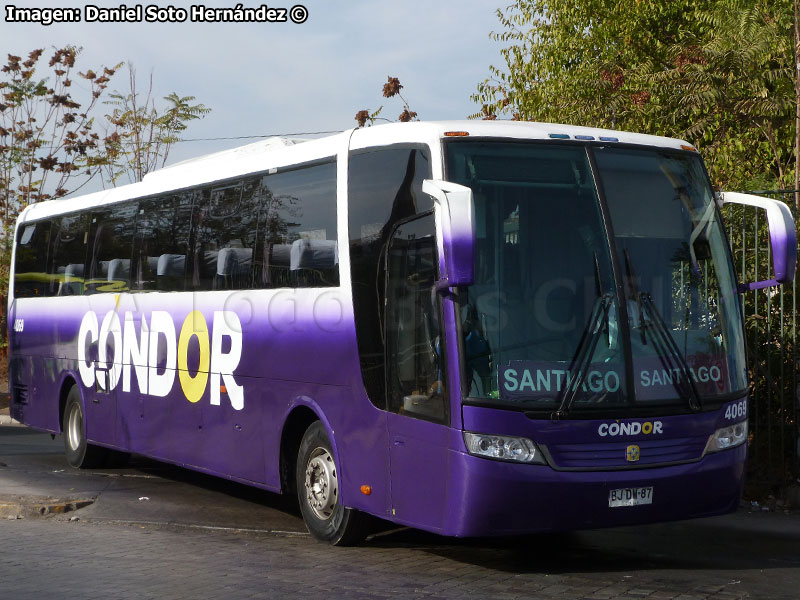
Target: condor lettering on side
[139,354]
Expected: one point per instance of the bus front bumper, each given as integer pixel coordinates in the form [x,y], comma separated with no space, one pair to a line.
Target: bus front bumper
[492,498]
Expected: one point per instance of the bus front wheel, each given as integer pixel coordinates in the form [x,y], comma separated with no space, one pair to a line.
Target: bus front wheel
[80,453]
[318,492]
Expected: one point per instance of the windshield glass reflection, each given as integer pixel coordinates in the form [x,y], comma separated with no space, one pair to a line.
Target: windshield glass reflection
[542,314]
[678,277]
[541,325]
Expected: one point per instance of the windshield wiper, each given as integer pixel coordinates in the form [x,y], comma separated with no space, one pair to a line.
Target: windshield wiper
[668,343]
[584,354]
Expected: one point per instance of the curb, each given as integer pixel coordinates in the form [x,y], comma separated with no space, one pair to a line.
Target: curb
[7,420]
[42,508]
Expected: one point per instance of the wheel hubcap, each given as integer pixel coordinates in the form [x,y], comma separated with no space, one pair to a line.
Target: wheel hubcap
[322,487]
[75,427]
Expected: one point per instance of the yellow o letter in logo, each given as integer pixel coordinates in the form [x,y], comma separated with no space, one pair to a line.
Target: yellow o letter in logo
[647,427]
[194,326]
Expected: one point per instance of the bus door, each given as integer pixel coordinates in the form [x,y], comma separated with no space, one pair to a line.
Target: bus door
[417,404]
[108,243]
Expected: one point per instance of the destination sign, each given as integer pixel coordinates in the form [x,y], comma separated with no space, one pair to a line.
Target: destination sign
[526,380]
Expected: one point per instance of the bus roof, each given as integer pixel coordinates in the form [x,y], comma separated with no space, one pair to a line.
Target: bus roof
[277,152]
[525,130]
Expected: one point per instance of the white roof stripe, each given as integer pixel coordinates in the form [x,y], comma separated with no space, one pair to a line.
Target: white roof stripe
[281,152]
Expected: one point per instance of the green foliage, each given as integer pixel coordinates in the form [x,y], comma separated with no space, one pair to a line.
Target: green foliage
[770,318]
[718,73]
[143,134]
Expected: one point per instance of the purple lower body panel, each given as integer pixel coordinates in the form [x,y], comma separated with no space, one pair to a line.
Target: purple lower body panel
[493,498]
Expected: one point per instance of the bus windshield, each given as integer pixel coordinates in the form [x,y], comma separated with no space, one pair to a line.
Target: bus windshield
[583,305]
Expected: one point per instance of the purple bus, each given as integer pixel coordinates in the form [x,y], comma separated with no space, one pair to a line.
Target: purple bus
[472,328]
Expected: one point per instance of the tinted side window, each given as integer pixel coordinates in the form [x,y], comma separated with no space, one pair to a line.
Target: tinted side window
[415,373]
[30,278]
[110,241]
[298,246]
[226,220]
[384,186]
[161,242]
[67,258]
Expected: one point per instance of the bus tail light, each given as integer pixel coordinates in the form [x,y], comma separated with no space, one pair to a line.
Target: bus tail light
[503,447]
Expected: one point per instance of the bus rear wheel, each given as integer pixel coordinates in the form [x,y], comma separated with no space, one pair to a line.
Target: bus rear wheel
[80,453]
[318,492]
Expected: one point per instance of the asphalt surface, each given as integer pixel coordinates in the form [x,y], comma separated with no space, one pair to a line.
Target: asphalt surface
[156,531]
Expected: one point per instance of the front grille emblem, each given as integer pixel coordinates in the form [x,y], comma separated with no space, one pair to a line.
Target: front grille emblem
[632,453]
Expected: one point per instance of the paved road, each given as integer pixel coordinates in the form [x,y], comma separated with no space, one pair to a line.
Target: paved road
[201,537]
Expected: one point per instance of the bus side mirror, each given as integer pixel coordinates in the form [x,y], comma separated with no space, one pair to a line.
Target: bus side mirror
[782,237]
[455,216]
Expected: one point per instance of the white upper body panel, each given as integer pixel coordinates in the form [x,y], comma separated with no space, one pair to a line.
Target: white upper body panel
[274,153]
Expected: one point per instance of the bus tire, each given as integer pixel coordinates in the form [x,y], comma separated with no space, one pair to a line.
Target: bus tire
[318,492]
[80,453]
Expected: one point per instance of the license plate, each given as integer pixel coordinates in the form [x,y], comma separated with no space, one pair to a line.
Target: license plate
[630,496]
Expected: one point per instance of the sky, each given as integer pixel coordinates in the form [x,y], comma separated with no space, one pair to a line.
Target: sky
[275,78]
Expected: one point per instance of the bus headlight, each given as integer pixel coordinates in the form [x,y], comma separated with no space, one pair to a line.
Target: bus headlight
[727,437]
[503,447]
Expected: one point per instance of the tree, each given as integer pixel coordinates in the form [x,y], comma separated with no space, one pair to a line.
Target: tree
[49,141]
[141,135]
[719,73]
[737,93]
[46,134]
[390,89]
[576,59]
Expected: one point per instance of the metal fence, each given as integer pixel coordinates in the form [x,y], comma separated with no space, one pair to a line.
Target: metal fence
[771,332]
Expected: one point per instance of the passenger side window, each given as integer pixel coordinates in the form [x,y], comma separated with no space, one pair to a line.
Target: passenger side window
[110,240]
[67,258]
[414,344]
[161,243]
[30,271]
[298,245]
[226,220]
